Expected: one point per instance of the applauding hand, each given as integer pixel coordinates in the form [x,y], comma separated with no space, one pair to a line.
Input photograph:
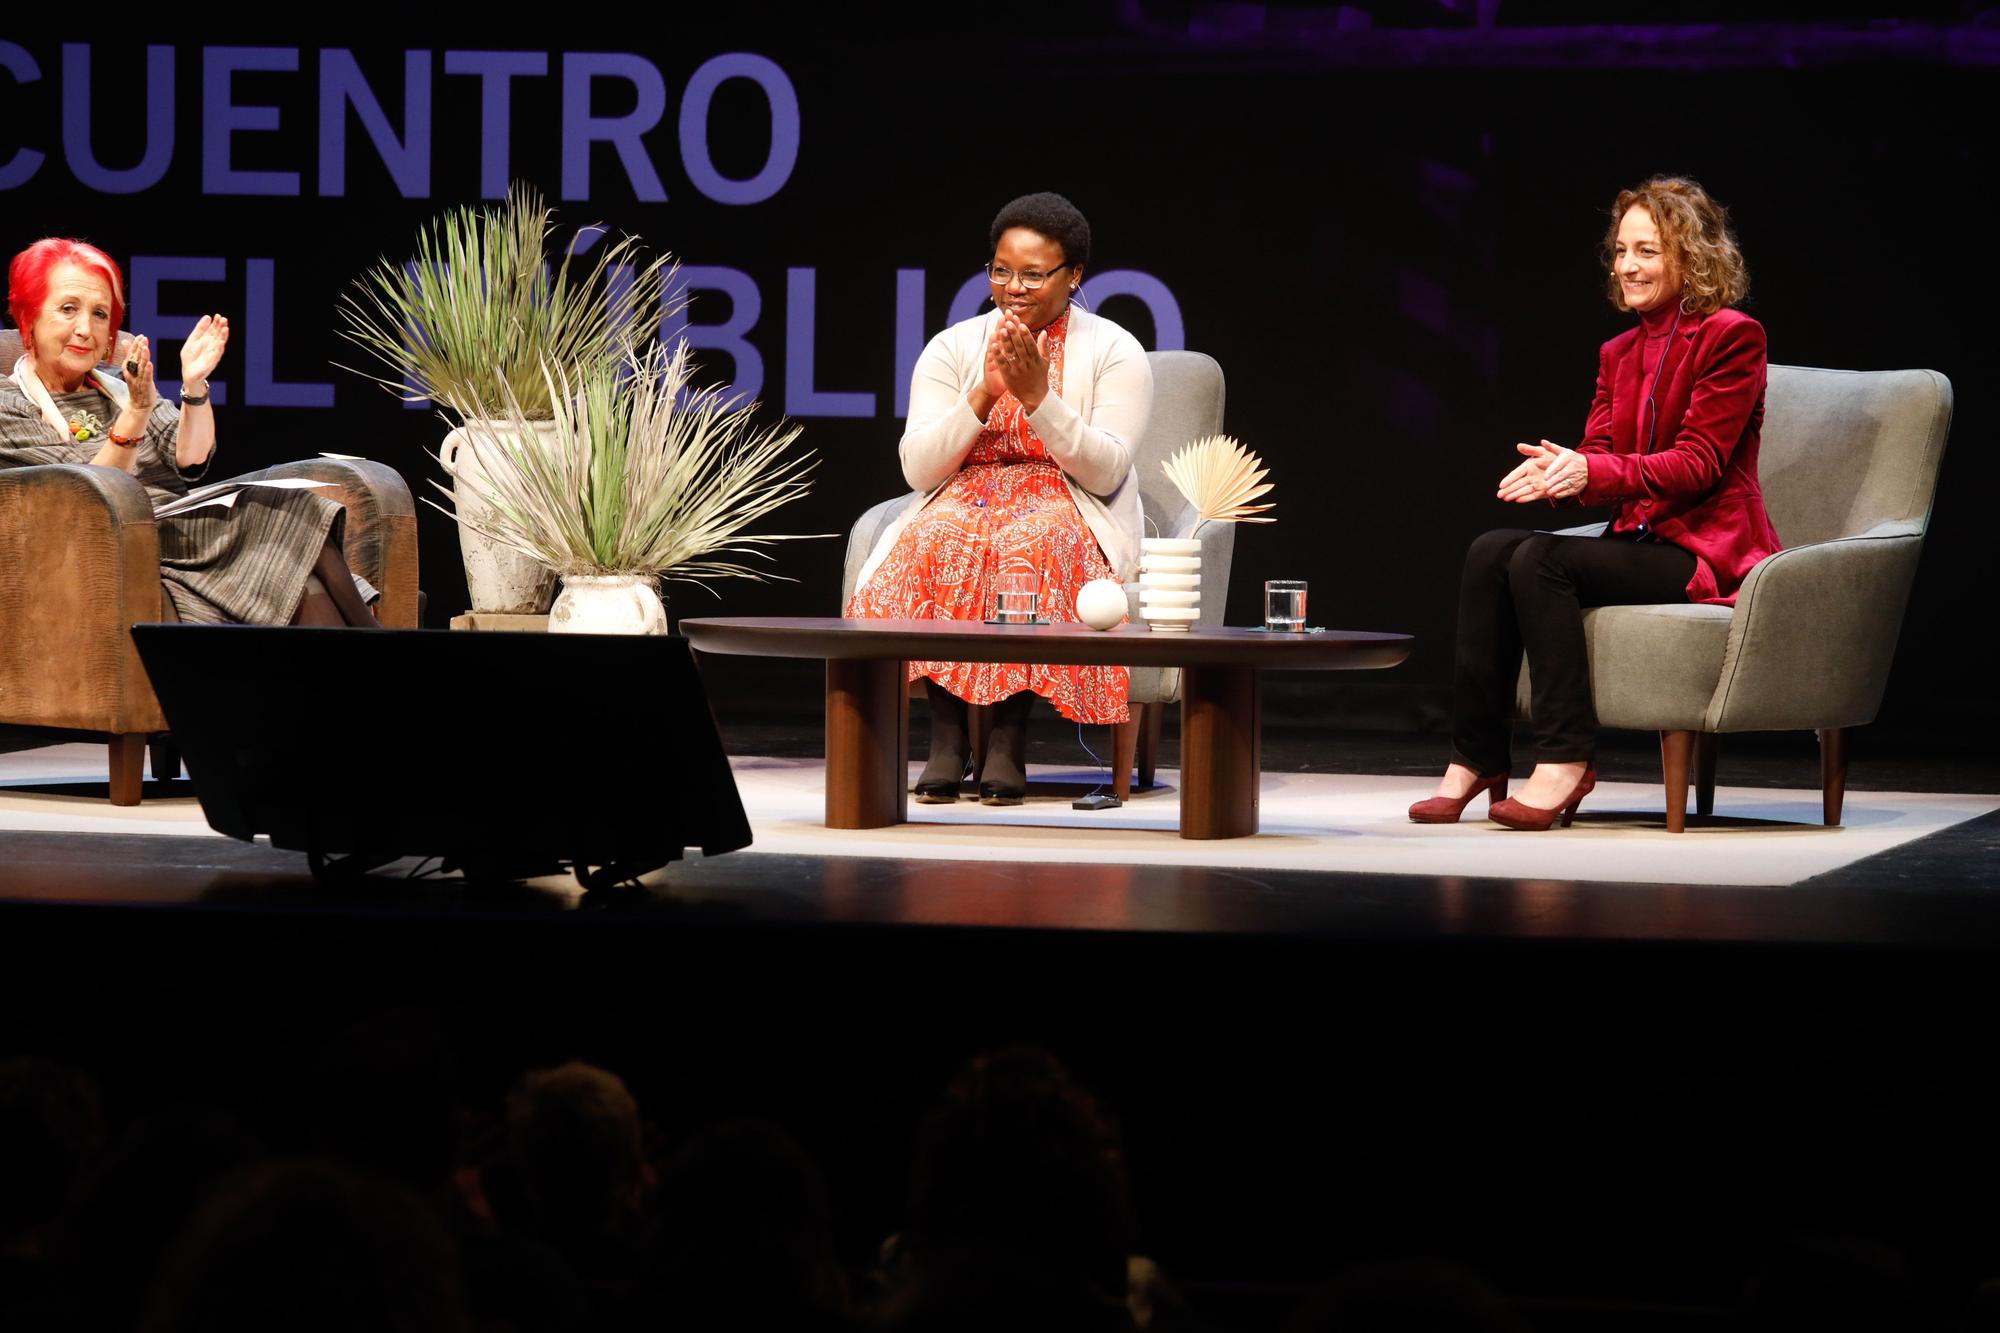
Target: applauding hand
[1022,359]
[142,392]
[202,352]
[996,383]
[1550,472]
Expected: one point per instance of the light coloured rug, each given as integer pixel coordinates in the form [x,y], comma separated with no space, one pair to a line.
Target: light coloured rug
[1311,821]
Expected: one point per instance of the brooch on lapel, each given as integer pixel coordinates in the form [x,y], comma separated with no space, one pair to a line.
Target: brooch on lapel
[83,426]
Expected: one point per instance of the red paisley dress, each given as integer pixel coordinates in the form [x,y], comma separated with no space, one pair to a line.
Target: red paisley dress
[1006,510]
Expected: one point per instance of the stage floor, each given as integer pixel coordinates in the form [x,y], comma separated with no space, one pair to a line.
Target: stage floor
[1620,1085]
[1336,856]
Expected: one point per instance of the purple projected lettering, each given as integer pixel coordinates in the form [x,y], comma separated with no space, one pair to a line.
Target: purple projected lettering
[412,393]
[784,149]
[143,313]
[263,387]
[76,117]
[730,337]
[496,70]
[618,284]
[343,95]
[910,339]
[970,298]
[625,133]
[408,158]
[221,119]
[21,167]
[400,129]
[802,398]
[1169,334]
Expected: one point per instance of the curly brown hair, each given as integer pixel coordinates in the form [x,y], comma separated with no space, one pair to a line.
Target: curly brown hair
[1701,249]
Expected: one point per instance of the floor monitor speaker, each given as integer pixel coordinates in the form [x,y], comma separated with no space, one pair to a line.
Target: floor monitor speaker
[504,754]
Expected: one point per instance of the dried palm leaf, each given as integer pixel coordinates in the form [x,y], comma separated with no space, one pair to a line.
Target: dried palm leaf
[1220,478]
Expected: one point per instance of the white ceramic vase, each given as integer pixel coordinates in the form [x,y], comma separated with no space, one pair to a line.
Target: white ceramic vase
[499,580]
[1170,583]
[608,604]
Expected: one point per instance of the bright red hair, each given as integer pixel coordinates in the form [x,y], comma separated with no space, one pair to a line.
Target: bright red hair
[28,278]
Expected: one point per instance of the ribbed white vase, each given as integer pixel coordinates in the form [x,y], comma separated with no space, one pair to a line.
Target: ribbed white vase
[608,604]
[1170,583]
[498,579]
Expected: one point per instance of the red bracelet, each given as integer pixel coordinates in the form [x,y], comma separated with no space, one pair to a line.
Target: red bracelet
[121,441]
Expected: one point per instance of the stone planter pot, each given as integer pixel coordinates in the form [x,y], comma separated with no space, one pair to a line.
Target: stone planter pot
[497,579]
[608,604]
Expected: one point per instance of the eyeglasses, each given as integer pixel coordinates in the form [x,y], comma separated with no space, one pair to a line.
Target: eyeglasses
[1001,276]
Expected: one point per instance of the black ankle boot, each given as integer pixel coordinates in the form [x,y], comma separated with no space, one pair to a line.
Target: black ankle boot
[950,750]
[1004,780]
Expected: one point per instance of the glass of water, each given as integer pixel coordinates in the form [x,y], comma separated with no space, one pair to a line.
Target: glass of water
[1284,605]
[1016,598]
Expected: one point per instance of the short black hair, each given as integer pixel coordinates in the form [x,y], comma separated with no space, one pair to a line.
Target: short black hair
[1052,216]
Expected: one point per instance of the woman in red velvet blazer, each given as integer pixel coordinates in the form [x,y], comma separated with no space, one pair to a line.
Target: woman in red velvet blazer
[1671,446]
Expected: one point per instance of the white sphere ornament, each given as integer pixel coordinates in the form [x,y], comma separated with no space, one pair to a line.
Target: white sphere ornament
[1101,603]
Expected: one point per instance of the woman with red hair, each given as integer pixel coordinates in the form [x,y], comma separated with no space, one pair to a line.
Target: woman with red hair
[270,558]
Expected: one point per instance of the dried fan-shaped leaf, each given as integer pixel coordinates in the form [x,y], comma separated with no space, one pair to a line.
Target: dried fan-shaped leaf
[1220,478]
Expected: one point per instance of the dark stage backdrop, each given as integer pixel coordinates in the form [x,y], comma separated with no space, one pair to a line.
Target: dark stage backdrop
[1381,219]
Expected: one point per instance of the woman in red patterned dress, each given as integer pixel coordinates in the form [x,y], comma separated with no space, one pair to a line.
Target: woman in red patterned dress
[1019,441]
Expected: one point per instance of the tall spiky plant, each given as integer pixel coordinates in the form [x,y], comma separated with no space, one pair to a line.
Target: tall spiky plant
[475,316]
[645,476]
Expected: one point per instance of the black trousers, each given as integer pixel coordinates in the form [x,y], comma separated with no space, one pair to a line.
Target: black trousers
[1526,592]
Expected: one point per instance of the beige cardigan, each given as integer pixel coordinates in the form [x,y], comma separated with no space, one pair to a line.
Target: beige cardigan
[1091,429]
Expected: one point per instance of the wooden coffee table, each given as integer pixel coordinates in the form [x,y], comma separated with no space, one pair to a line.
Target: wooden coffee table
[867,737]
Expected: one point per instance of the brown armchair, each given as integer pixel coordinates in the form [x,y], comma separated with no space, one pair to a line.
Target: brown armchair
[80,564]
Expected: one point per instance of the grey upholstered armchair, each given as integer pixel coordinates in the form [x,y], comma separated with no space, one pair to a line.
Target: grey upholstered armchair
[1849,465]
[1188,396]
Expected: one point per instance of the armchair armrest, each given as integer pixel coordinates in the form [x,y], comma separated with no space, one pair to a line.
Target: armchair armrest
[1815,631]
[861,540]
[379,539]
[79,564]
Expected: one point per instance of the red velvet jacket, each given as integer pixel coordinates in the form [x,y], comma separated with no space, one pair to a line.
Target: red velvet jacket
[1698,487]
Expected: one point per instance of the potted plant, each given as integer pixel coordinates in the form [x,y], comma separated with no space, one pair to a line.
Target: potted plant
[471,323]
[646,479]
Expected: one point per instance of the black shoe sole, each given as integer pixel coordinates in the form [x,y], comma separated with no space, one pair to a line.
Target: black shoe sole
[990,794]
[927,794]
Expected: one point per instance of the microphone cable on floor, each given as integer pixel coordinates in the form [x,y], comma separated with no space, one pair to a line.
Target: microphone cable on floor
[1097,798]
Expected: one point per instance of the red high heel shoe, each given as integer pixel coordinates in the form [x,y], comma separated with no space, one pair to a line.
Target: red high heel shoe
[1534,819]
[1446,810]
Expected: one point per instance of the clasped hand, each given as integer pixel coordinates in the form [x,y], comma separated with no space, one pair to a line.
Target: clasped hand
[1551,472]
[1017,362]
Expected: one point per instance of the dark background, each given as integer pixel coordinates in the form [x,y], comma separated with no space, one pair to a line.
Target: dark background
[1381,219]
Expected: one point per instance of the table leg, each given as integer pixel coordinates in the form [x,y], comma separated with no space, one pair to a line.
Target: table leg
[1221,751]
[867,744]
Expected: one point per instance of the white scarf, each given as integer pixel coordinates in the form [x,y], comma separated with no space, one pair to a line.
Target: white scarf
[30,384]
